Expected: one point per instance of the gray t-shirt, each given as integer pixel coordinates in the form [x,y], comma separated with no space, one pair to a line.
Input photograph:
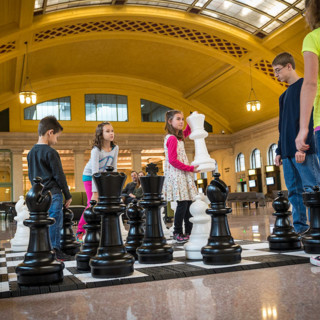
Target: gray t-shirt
[99,160]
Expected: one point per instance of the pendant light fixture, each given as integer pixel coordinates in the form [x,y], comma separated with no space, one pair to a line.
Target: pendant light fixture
[26,94]
[252,104]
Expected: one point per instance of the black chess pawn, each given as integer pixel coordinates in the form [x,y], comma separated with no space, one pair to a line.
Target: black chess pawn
[112,259]
[135,236]
[154,248]
[68,242]
[92,238]
[311,238]
[283,236]
[221,248]
[39,266]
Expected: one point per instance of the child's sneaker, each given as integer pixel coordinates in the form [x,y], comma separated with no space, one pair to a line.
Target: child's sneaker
[187,236]
[179,238]
[61,256]
[79,236]
[315,260]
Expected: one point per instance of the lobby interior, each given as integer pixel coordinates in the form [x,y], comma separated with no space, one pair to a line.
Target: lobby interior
[128,61]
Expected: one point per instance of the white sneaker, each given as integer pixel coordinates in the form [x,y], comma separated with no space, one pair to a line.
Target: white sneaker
[315,261]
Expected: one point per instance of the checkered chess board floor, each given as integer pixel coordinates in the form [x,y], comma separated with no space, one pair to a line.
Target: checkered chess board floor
[255,255]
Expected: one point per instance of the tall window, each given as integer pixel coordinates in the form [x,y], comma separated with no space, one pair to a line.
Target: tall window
[106,107]
[5,176]
[60,108]
[255,159]
[152,111]
[240,163]
[272,154]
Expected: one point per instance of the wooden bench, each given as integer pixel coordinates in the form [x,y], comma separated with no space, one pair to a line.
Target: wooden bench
[246,197]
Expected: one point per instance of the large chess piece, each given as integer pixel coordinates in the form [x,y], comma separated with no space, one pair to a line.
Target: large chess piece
[136,232]
[21,238]
[68,242]
[198,134]
[112,259]
[39,265]
[92,238]
[311,238]
[221,248]
[283,236]
[200,230]
[154,248]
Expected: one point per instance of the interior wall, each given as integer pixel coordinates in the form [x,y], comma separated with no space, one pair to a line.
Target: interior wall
[134,89]
[260,137]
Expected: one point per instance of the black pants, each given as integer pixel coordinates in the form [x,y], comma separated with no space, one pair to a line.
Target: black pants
[182,214]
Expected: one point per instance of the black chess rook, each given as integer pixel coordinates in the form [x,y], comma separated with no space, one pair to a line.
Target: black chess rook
[112,259]
[311,238]
[220,249]
[283,236]
[39,266]
[92,238]
[154,248]
[68,242]
[135,236]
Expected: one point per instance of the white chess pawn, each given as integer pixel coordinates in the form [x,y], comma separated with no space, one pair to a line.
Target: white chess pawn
[200,230]
[198,134]
[20,241]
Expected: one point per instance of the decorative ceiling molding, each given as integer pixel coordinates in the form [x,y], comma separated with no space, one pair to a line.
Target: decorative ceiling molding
[161,29]
[7,47]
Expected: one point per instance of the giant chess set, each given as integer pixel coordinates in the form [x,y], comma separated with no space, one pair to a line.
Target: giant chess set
[111,256]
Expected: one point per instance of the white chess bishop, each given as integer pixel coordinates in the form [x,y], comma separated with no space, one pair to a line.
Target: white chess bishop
[198,134]
[201,228]
[20,241]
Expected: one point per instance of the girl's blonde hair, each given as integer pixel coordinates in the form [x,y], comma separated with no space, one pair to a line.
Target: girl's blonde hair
[98,140]
[313,15]
[169,128]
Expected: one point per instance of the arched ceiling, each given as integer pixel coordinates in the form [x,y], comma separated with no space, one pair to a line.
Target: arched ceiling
[204,60]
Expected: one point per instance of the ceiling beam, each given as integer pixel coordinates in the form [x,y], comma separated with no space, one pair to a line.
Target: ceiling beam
[221,74]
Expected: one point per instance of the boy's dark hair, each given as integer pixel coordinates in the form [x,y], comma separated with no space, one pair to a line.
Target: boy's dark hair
[313,16]
[134,171]
[283,59]
[49,123]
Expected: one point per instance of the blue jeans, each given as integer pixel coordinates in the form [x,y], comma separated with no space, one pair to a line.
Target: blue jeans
[317,143]
[300,177]
[55,211]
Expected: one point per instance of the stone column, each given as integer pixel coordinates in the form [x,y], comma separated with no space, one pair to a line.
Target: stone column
[17,174]
[79,165]
[136,159]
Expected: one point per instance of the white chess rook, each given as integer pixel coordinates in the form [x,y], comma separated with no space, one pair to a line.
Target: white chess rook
[200,230]
[20,241]
[198,134]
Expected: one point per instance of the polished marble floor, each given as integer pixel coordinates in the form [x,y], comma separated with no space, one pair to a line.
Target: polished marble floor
[288,292]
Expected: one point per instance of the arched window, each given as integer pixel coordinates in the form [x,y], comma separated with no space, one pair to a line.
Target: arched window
[272,154]
[255,159]
[240,164]
[60,108]
[152,111]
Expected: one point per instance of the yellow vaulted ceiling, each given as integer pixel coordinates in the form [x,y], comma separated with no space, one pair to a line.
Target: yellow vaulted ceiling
[202,61]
